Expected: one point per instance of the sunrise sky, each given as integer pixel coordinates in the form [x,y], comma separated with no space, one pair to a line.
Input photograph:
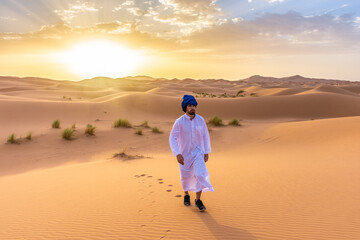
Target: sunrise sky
[230,39]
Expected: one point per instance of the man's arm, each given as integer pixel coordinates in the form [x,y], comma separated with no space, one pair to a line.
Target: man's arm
[174,135]
[206,139]
[206,142]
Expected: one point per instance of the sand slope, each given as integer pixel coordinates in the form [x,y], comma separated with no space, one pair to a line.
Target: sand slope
[279,176]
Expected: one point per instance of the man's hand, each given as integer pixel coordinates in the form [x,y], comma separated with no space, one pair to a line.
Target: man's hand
[180,159]
[206,157]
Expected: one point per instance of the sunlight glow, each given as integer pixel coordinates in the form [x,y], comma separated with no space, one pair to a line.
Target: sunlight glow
[101,58]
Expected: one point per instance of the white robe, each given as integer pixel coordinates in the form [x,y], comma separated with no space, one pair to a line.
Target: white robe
[191,139]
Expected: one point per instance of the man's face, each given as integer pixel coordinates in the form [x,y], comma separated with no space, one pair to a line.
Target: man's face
[190,109]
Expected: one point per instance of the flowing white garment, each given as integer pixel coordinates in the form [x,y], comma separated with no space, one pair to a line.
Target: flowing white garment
[191,139]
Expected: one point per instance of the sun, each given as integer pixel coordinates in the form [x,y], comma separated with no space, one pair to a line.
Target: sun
[101,58]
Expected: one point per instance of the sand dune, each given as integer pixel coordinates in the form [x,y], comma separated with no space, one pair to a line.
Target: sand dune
[332,89]
[291,171]
[321,105]
[355,89]
[290,91]
[302,106]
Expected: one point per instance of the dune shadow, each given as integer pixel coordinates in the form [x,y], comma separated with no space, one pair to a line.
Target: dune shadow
[220,231]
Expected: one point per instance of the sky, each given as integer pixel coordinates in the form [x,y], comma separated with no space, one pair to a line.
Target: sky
[200,39]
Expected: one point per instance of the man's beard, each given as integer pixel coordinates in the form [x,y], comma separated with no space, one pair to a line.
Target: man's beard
[192,112]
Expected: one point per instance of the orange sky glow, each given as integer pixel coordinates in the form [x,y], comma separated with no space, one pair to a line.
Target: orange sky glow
[198,39]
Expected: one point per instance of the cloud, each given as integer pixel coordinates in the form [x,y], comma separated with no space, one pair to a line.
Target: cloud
[278,34]
[191,6]
[274,1]
[74,10]
[62,35]
[8,18]
[135,11]
[121,6]
[289,33]
[174,18]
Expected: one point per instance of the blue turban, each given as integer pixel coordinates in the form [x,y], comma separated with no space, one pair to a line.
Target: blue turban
[188,100]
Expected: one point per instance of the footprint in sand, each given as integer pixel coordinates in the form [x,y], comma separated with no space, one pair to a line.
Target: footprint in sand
[164,235]
[178,195]
[149,176]
[159,179]
[170,185]
[169,190]
[161,182]
[142,175]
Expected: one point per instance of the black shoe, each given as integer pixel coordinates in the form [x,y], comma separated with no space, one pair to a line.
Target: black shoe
[187,200]
[200,206]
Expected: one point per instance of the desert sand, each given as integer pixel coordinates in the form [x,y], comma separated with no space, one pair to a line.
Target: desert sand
[291,171]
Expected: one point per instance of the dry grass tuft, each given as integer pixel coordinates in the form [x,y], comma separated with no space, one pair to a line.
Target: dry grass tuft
[55,124]
[156,130]
[139,131]
[29,136]
[122,123]
[90,130]
[68,133]
[216,121]
[11,139]
[235,122]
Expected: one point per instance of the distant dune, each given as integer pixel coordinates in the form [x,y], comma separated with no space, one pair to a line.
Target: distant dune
[253,98]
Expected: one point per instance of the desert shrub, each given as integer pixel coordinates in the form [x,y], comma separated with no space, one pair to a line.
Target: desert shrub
[156,130]
[235,122]
[122,123]
[55,124]
[145,124]
[68,133]
[122,153]
[254,95]
[90,130]
[29,136]
[139,131]
[124,156]
[239,92]
[11,139]
[216,121]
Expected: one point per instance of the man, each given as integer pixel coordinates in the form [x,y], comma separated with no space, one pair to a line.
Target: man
[190,143]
